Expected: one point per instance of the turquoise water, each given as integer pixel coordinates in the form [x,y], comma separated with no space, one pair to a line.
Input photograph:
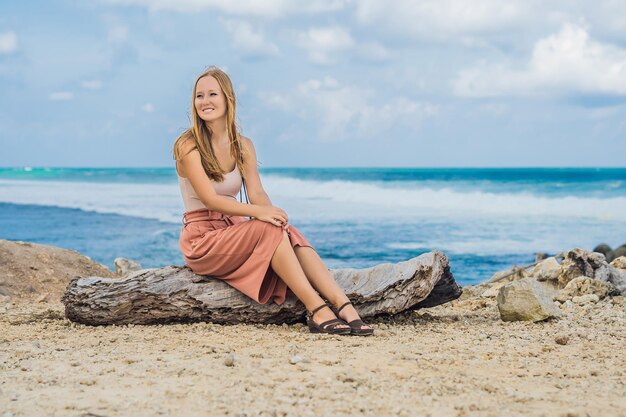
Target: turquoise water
[484,219]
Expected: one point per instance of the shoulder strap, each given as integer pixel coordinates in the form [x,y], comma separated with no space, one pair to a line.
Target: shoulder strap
[244,191]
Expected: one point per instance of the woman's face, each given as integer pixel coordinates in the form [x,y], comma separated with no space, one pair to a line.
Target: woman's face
[209,101]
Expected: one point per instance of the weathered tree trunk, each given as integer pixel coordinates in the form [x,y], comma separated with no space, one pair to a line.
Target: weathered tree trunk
[175,294]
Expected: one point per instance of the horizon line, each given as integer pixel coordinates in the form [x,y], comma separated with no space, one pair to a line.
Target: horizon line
[28,167]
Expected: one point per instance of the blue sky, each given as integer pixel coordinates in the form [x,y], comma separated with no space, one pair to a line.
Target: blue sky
[320,83]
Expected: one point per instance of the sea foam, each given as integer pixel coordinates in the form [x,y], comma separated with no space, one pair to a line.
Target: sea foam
[309,199]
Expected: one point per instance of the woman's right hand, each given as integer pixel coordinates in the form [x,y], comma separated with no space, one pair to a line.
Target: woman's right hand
[271,214]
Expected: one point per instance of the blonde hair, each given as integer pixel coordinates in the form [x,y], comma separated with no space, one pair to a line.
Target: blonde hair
[200,134]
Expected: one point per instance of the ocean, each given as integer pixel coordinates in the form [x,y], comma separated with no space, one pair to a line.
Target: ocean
[485,220]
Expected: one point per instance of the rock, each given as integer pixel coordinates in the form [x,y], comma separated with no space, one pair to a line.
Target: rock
[583,286]
[602,273]
[619,300]
[546,270]
[561,340]
[591,264]
[619,263]
[586,299]
[621,251]
[579,262]
[526,300]
[125,266]
[29,270]
[297,359]
[606,250]
[617,277]
[493,290]
[230,359]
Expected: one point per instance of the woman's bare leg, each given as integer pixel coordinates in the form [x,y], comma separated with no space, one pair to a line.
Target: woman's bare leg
[322,280]
[286,265]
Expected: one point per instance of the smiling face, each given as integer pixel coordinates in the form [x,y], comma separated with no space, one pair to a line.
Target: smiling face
[209,101]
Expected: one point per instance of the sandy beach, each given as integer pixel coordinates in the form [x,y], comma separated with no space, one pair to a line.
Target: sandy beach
[459,359]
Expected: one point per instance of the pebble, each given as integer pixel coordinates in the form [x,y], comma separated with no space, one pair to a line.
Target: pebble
[297,359]
[585,299]
[330,360]
[87,382]
[561,339]
[229,360]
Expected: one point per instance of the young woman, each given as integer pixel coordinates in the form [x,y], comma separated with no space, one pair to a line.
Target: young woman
[260,257]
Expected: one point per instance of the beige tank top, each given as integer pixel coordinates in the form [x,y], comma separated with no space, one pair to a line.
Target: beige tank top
[229,187]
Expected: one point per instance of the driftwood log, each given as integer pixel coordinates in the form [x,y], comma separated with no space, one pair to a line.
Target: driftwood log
[175,294]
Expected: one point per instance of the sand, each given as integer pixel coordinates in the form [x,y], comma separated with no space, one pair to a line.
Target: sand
[454,360]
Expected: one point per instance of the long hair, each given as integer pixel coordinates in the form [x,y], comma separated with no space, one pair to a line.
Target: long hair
[200,134]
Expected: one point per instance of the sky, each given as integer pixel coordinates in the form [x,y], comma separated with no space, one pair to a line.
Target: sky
[336,83]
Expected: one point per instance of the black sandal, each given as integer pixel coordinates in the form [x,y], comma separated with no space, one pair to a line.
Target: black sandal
[329,326]
[356,326]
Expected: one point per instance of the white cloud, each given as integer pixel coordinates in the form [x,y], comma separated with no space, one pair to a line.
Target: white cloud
[487,22]
[118,34]
[61,96]
[8,42]
[568,62]
[247,40]
[261,8]
[342,112]
[325,43]
[443,19]
[148,108]
[277,100]
[605,16]
[373,51]
[91,84]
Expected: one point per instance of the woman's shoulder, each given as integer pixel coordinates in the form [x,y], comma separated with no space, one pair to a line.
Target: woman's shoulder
[184,144]
[246,142]
[249,153]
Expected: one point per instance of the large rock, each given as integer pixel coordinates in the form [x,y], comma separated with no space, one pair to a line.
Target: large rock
[546,270]
[583,286]
[29,271]
[527,300]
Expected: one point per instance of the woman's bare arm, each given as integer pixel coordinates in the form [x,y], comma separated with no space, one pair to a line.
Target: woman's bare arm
[256,192]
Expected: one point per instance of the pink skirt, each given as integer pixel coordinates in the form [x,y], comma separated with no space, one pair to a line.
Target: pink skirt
[236,250]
